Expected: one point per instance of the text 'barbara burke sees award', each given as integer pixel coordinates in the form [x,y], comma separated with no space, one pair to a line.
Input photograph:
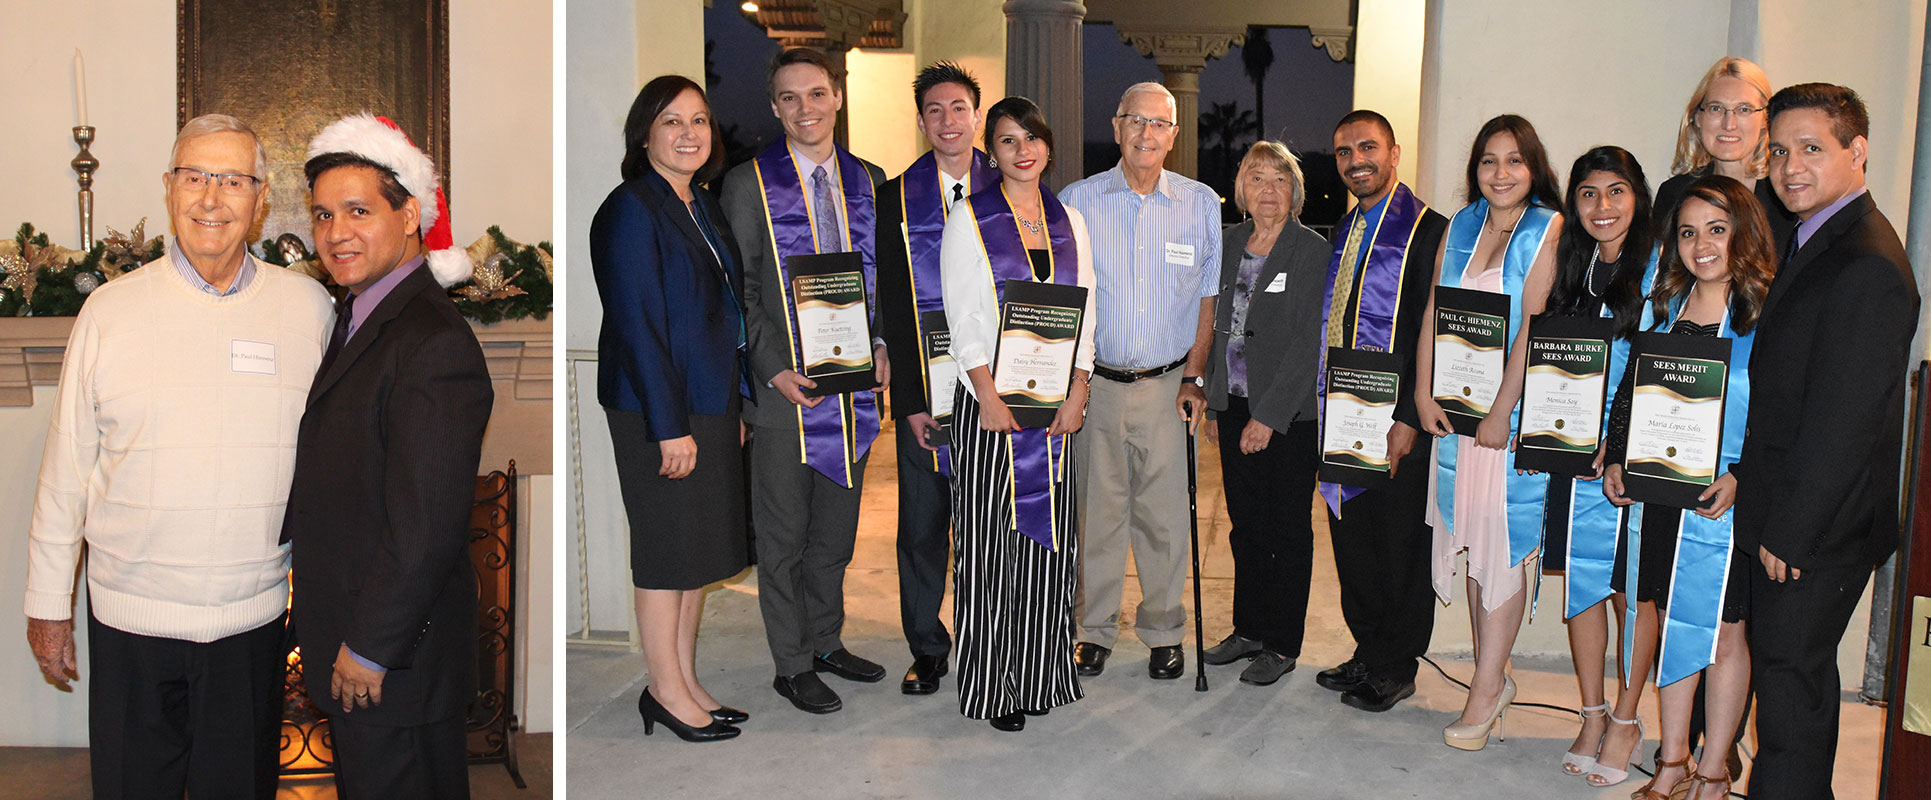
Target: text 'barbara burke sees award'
[1039,329]
[1675,417]
[1362,389]
[1471,352]
[834,333]
[1562,394]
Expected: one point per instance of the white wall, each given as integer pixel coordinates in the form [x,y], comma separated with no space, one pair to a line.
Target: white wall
[1387,70]
[500,119]
[878,99]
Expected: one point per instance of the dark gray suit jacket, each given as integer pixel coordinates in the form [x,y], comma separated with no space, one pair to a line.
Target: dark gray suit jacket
[768,345]
[1284,336]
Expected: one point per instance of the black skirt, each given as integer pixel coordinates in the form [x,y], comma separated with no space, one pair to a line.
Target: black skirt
[689,533]
[1660,524]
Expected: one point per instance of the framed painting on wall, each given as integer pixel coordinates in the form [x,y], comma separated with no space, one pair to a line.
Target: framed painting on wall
[290,67]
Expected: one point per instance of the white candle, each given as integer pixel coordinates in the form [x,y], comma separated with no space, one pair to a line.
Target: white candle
[80,86]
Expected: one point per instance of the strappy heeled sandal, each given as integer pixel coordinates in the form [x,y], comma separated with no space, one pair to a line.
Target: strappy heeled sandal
[1602,775]
[1651,792]
[1581,764]
[1692,787]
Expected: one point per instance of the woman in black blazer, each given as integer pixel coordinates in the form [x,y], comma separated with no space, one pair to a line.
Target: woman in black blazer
[1271,274]
[670,379]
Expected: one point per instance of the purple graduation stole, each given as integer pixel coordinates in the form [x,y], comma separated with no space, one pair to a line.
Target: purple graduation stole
[922,203]
[834,435]
[1375,310]
[1038,471]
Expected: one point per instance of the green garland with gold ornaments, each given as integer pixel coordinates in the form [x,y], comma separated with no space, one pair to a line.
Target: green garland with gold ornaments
[42,279]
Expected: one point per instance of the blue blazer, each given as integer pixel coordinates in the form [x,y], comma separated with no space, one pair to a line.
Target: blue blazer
[671,317]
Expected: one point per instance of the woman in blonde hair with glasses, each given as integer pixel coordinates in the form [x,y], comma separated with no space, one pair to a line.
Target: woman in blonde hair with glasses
[1271,273]
[1725,131]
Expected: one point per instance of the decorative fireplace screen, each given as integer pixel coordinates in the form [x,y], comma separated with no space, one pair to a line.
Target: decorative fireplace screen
[307,743]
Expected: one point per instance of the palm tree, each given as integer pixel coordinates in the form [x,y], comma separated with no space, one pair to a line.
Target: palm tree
[1225,123]
[1256,57]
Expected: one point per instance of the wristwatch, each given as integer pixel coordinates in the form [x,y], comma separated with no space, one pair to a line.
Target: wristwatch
[1196,380]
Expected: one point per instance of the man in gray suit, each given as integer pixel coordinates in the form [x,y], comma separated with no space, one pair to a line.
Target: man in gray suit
[803,196]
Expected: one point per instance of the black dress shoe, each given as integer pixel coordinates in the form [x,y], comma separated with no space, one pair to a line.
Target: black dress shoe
[845,664]
[1231,649]
[1089,659]
[806,691]
[1015,721]
[1035,712]
[1341,678]
[1378,694]
[1267,668]
[729,715]
[923,677]
[1166,663]
[654,714]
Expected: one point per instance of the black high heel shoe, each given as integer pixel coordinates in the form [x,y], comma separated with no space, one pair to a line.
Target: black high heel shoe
[729,715]
[1015,721]
[654,712]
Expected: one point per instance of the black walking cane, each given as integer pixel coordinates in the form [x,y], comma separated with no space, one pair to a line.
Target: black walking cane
[1193,519]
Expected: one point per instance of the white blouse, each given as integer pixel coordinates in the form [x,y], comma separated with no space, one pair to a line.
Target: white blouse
[972,298]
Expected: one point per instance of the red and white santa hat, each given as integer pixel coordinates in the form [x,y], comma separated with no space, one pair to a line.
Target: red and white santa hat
[382,141]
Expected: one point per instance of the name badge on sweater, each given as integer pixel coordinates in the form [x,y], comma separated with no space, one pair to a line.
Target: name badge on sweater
[1279,284]
[1180,254]
[253,357]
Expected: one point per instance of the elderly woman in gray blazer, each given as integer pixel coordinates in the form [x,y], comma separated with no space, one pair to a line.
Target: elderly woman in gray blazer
[1260,385]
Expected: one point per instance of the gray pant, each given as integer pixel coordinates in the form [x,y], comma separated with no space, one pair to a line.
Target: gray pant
[1133,491]
[806,525]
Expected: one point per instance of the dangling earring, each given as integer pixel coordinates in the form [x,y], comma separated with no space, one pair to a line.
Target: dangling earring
[992,162]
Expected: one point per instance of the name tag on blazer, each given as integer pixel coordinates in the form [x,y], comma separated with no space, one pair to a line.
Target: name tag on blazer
[252,357]
[1279,284]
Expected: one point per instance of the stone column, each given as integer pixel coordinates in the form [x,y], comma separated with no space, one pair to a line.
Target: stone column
[1181,53]
[1044,62]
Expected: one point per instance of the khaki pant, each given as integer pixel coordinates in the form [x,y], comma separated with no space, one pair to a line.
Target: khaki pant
[1133,491]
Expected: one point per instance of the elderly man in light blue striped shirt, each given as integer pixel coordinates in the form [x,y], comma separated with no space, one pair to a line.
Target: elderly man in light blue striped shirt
[1156,254]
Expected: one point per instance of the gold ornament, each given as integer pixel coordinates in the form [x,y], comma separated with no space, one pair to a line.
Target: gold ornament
[20,275]
[489,284]
[122,252]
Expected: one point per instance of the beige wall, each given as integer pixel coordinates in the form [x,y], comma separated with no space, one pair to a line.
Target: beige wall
[879,94]
[1387,70]
[500,120]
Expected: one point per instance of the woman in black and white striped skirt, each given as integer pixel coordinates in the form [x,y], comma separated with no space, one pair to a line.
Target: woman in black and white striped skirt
[1017,549]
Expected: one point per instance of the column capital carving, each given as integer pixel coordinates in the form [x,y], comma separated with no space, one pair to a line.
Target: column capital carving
[1182,46]
[1334,39]
[1070,9]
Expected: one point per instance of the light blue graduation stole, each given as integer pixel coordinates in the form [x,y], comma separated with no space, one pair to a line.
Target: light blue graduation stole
[1702,567]
[1525,494]
[1595,524]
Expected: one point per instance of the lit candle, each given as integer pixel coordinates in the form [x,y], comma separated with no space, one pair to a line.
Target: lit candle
[80,86]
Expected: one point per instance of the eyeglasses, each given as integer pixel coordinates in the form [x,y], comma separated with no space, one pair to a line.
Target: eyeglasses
[229,182]
[1137,122]
[1717,111]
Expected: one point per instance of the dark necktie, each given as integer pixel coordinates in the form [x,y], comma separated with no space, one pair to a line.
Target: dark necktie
[1791,251]
[958,192]
[339,336]
[825,209]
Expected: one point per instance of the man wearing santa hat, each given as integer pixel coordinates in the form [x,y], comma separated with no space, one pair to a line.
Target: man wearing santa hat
[385,467]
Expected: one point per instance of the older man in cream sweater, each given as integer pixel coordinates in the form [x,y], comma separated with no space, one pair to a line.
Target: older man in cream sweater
[170,455]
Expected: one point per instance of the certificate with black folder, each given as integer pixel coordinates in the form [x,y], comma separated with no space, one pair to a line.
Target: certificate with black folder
[941,373]
[1362,389]
[834,334]
[1562,394]
[1471,353]
[1675,417]
[1039,328]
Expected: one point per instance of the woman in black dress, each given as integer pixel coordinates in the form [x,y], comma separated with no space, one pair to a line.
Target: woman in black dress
[1714,281]
[1604,267]
[670,381]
